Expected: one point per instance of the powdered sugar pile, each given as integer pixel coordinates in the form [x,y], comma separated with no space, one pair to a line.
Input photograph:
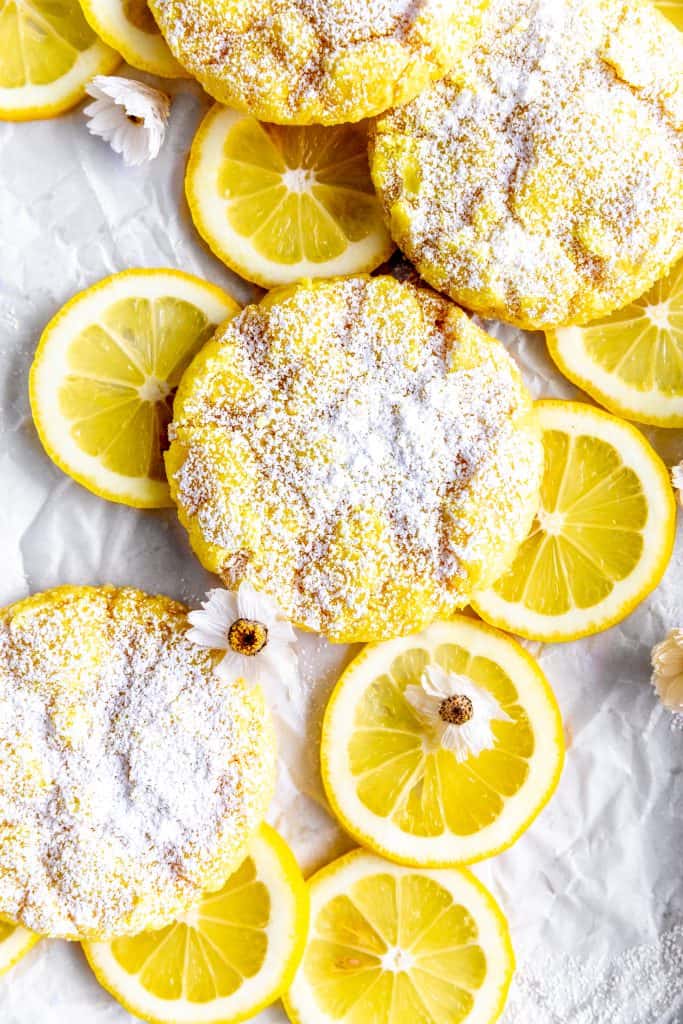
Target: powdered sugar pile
[366,437]
[544,182]
[123,758]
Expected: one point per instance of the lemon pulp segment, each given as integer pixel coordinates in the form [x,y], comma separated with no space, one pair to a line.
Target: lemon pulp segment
[631,361]
[229,956]
[48,53]
[281,203]
[398,790]
[396,945]
[105,374]
[603,535]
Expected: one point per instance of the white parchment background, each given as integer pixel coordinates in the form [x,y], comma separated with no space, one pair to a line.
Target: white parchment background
[594,891]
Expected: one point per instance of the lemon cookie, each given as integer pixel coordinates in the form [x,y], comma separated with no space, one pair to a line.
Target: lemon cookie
[543,183]
[359,449]
[317,61]
[131,776]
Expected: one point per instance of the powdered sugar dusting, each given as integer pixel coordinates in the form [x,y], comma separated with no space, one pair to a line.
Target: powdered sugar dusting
[543,184]
[375,414]
[124,783]
[317,61]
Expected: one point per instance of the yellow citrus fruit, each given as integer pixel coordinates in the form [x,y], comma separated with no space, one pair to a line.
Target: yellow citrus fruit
[128,26]
[105,373]
[603,535]
[15,942]
[398,790]
[631,361]
[673,9]
[278,204]
[399,945]
[48,54]
[226,959]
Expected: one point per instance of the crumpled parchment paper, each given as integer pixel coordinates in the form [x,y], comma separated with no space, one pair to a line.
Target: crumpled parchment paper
[594,890]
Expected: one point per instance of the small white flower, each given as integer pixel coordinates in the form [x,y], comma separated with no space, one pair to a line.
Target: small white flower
[677,479]
[129,115]
[458,711]
[250,628]
[667,677]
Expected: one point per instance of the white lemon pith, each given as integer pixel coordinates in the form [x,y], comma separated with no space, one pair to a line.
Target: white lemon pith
[15,942]
[280,204]
[603,536]
[400,793]
[632,361]
[48,55]
[128,26]
[396,945]
[227,958]
[104,375]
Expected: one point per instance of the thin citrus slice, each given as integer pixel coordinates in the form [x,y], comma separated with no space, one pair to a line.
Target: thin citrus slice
[225,960]
[397,945]
[602,538]
[48,54]
[278,204]
[631,361]
[398,790]
[673,9]
[105,372]
[128,26]
[15,942]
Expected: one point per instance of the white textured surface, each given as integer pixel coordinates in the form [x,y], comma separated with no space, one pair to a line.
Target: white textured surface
[595,886]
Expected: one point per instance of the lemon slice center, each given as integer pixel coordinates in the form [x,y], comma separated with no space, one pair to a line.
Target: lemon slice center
[659,315]
[552,523]
[154,390]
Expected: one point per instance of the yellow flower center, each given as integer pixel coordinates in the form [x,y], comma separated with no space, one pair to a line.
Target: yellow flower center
[246,636]
[456,710]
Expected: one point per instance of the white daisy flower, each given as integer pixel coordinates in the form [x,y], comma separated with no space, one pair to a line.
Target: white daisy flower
[458,712]
[677,480]
[129,115]
[251,629]
[667,677]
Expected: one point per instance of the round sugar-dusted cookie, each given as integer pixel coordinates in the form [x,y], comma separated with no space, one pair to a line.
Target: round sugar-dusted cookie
[542,182]
[131,776]
[359,449]
[317,61]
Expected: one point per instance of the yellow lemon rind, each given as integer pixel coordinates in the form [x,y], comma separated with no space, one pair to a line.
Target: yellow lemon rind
[267,845]
[85,469]
[567,350]
[501,614]
[16,946]
[233,249]
[39,104]
[476,637]
[495,916]
[139,49]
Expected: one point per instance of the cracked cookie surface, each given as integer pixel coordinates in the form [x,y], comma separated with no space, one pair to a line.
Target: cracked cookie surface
[133,777]
[317,61]
[358,449]
[543,183]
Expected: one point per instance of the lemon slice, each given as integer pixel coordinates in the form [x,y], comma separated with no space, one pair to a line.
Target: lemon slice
[227,958]
[631,361]
[129,27]
[673,9]
[602,538]
[278,204]
[105,372]
[393,785]
[397,945]
[15,942]
[48,54]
